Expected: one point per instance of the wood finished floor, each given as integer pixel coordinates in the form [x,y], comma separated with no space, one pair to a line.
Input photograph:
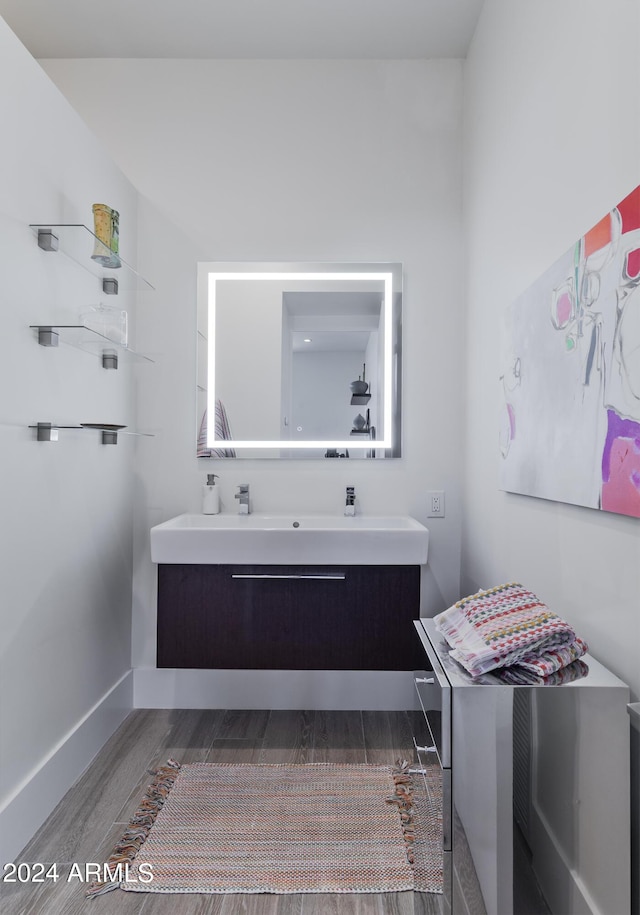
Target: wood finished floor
[91,817]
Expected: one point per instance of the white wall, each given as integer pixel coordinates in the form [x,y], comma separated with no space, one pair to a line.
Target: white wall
[321,394]
[552,143]
[65,507]
[309,161]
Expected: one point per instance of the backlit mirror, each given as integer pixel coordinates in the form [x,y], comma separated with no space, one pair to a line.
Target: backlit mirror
[299,360]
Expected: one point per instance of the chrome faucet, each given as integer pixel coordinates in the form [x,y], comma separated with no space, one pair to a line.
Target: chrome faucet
[350,503]
[243,496]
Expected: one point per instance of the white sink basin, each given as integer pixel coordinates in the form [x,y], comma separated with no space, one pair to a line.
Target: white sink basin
[303,539]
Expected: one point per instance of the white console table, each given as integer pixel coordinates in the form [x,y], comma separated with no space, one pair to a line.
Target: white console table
[536,788]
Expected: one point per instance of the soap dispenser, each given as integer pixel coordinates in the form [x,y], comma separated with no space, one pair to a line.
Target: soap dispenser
[210,496]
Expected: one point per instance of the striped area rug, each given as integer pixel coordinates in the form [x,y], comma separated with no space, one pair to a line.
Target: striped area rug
[270,828]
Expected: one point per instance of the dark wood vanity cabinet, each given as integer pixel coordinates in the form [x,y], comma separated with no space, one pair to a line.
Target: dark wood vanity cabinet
[289,618]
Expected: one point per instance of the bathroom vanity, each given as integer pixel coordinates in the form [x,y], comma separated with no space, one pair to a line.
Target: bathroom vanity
[276,592]
[535,787]
[288,617]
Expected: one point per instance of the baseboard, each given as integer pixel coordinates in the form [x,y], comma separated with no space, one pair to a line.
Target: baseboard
[561,884]
[40,791]
[381,690]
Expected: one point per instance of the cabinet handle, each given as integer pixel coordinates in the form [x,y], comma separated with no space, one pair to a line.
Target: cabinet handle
[425,679]
[327,577]
[425,749]
[447,811]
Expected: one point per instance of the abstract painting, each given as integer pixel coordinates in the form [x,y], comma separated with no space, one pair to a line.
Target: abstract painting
[570,416]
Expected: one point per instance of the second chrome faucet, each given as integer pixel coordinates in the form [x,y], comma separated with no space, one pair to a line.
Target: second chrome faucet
[243,496]
[350,503]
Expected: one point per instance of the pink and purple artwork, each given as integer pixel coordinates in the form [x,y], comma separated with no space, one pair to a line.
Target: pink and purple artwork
[570,429]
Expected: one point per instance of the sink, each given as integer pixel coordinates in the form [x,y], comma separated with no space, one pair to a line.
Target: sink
[303,539]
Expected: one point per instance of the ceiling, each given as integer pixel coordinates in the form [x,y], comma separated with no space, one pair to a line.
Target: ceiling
[201,29]
[338,321]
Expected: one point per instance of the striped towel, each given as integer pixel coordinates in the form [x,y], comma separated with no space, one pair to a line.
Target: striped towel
[550,662]
[503,626]
[222,431]
[518,676]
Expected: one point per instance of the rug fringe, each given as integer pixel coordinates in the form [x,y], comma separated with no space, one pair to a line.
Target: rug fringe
[403,799]
[140,824]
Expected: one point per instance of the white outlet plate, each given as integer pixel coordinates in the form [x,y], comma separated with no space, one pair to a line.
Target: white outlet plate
[435,504]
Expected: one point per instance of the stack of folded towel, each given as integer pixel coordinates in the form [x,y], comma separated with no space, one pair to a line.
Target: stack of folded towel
[509,627]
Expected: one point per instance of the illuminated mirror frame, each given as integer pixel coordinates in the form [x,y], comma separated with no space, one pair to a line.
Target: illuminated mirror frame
[389,274]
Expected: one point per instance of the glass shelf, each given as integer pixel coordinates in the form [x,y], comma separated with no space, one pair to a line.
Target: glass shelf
[48,432]
[82,337]
[77,242]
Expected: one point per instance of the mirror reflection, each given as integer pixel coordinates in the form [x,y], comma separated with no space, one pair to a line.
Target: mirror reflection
[299,360]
